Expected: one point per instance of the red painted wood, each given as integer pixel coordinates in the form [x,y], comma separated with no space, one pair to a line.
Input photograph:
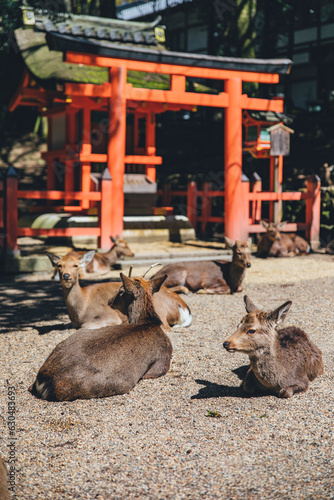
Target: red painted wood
[116,146]
[192,204]
[11,210]
[68,231]
[169,69]
[234,210]
[313,210]
[106,209]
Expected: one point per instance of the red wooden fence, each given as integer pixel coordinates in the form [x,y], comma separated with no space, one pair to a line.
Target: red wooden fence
[9,196]
[253,196]
[252,199]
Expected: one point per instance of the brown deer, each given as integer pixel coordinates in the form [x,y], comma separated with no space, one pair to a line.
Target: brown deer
[88,306]
[4,492]
[210,276]
[281,361]
[330,248]
[102,262]
[274,243]
[111,360]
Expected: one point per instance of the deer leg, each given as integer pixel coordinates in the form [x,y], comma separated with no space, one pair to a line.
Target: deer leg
[158,368]
[250,382]
[287,392]
[180,289]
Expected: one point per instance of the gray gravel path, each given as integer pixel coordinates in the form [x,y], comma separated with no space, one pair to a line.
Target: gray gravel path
[158,442]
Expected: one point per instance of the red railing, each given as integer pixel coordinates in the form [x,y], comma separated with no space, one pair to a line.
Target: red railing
[199,205]
[9,196]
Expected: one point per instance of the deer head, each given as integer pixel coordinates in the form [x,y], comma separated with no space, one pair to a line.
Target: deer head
[134,298]
[242,252]
[121,247]
[273,230]
[257,329]
[69,265]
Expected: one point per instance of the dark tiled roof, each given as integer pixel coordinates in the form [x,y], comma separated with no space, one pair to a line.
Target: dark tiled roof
[99,28]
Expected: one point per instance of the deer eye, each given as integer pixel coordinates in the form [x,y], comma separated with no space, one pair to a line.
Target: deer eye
[75,265]
[251,331]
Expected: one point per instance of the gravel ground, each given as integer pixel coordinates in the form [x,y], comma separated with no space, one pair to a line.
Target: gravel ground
[158,442]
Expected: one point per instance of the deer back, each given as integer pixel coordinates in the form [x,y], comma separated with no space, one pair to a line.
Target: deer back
[4,492]
[110,360]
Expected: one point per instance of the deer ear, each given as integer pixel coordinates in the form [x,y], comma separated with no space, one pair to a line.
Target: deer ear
[279,314]
[127,283]
[53,258]
[230,243]
[156,283]
[282,224]
[264,224]
[249,304]
[86,258]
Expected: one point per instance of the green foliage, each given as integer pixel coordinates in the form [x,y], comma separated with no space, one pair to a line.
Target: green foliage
[213,414]
[327,215]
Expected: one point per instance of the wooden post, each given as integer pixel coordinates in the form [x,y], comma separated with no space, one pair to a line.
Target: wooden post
[86,148]
[11,210]
[192,204]
[150,170]
[206,205]
[244,202]
[116,146]
[105,211]
[69,163]
[166,196]
[234,210]
[313,210]
[256,205]
[271,187]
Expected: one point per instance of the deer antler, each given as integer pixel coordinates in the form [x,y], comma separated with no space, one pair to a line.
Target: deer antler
[130,271]
[153,265]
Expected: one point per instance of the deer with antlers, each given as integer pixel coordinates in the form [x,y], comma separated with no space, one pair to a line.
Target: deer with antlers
[111,360]
[88,306]
[282,361]
[274,243]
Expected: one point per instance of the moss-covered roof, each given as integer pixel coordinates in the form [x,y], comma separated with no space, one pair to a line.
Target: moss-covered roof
[48,68]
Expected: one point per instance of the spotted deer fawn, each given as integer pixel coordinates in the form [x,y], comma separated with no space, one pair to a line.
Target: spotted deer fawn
[281,361]
[111,360]
[88,306]
[102,262]
[4,492]
[210,276]
[274,243]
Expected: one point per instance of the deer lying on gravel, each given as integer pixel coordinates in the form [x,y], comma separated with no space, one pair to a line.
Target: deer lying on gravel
[276,244]
[111,360]
[281,361]
[210,276]
[102,262]
[4,492]
[88,306]
[330,248]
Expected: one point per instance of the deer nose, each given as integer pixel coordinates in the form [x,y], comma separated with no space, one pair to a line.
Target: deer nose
[226,345]
[249,264]
[278,238]
[66,276]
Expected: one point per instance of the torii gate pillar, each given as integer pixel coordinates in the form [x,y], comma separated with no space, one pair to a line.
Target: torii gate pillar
[116,147]
[236,226]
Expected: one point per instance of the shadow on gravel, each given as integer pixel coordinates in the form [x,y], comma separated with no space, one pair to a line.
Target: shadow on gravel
[30,304]
[213,390]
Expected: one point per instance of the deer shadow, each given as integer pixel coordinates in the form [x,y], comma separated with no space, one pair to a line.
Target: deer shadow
[213,390]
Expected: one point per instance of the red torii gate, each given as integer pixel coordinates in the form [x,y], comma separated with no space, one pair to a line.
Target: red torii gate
[232,99]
